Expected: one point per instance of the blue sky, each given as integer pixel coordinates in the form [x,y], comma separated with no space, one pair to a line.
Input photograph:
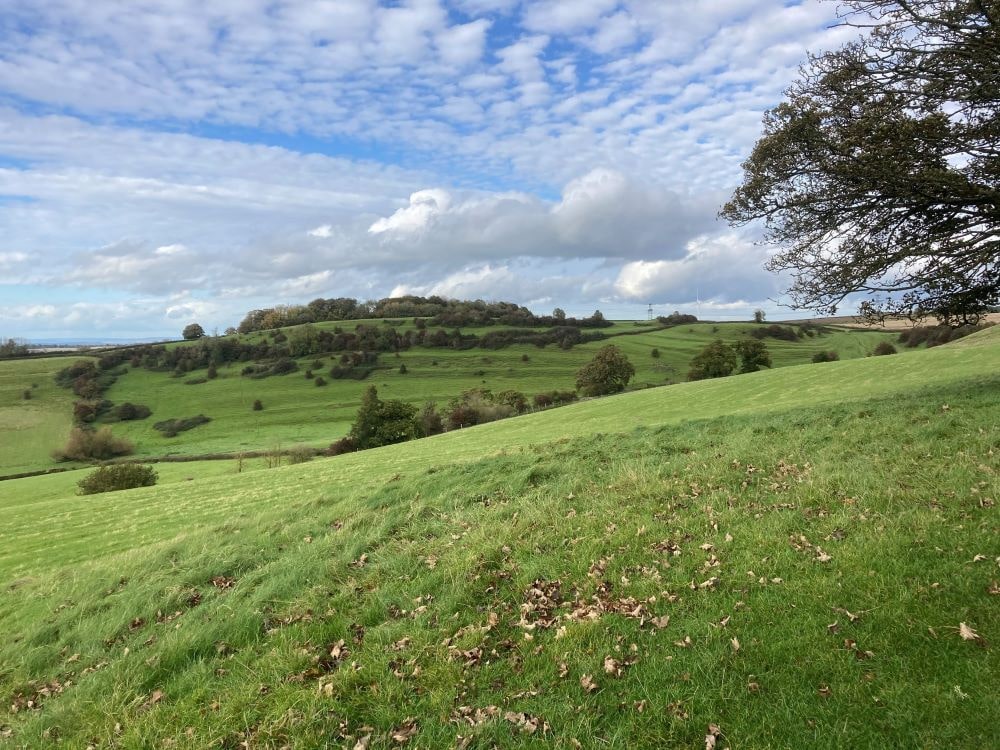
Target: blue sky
[169,161]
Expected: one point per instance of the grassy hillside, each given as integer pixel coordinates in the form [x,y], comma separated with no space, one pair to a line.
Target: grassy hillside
[296,411]
[31,428]
[789,555]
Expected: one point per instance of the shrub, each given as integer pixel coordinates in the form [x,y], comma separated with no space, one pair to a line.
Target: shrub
[675,319]
[257,405]
[542,400]
[402,369]
[429,422]
[785,333]
[299,454]
[128,412]
[211,373]
[195,381]
[91,445]
[171,427]
[319,381]
[26,395]
[514,399]
[655,354]
[717,360]
[828,356]
[117,477]
[525,358]
[344,445]
[309,375]
[883,348]
[477,406]
[382,422]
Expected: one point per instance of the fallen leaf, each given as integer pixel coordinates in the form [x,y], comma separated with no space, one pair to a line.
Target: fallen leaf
[661,622]
[362,744]
[402,734]
[735,643]
[968,634]
[588,684]
[612,666]
[686,643]
[712,737]
[824,691]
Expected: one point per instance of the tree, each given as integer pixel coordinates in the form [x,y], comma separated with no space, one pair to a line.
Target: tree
[192,332]
[754,355]
[608,372]
[382,422]
[758,316]
[880,172]
[717,360]
[559,314]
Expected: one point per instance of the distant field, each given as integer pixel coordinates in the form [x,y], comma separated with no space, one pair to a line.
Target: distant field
[801,557]
[296,411]
[31,429]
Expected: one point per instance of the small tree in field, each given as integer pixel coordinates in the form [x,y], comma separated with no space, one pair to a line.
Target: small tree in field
[717,360]
[758,316]
[754,355]
[192,332]
[382,422]
[608,372]
[117,477]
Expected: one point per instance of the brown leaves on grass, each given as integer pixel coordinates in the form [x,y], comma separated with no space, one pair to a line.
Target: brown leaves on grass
[403,733]
[588,684]
[223,582]
[851,645]
[968,634]
[474,717]
[712,737]
[360,562]
[155,697]
[538,610]
[34,695]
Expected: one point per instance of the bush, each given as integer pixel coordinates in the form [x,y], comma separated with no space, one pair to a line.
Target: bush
[429,421]
[828,356]
[542,400]
[382,422]
[784,333]
[299,454]
[212,372]
[402,369]
[883,348]
[675,319]
[257,405]
[117,477]
[344,445]
[171,427]
[655,354]
[717,360]
[319,382]
[195,381]
[128,412]
[90,445]
[525,358]
[26,395]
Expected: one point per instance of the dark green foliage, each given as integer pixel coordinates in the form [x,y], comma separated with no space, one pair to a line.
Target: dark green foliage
[258,405]
[827,356]
[717,360]
[93,445]
[127,412]
[382,422]
[608,372]
[171,427]
[402,369]
[195,381]
[212,373]
[12,348]
[675,319]
[281,366]
[883,348]
[655,353]
[319,382]
[753,355]
[429,421]
[862,150]
[785,333]
[117,477]
[26,395]
[479,406]
[514,399]
[192,332]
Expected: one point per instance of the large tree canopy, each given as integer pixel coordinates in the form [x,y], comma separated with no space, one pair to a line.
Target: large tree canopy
[880,172]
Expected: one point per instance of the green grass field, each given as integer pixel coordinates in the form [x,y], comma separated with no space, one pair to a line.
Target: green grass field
[789,555]
[296,411]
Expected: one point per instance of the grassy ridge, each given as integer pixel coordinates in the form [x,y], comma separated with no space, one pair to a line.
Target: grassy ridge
[102,525]
[833,520]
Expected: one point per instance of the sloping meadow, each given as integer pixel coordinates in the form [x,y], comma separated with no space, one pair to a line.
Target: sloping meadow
[821,577]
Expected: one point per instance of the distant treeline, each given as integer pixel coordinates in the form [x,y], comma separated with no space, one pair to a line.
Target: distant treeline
[434,311]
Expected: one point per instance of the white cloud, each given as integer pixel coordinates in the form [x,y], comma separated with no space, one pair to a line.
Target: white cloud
[424,206]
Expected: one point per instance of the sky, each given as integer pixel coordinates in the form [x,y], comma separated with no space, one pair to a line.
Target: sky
[164,162]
